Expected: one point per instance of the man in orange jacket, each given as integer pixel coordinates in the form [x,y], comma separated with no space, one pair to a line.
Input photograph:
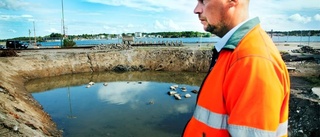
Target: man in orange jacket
[246,92]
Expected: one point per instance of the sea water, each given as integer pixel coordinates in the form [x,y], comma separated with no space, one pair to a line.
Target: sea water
[278,39]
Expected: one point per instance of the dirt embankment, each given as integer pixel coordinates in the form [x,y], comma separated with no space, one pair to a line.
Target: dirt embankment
[21,115]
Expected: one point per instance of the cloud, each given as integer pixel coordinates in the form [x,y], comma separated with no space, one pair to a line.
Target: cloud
[116,93]
[317,17]
[31,20]
[158,25]
[300,19]
[53,30]
[9,17]
[106,27]
[277,6]
[13,4]
[172,25]
[12,30]
[149,5]
[16,17]
[130,26]
[167,25]
[182,108]
[284,14]
[26,16]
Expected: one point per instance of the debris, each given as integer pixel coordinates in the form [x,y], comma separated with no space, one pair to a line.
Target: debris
[3,90]
[184,89]
[91,83]
[31,125]
[177,96]
[195,91]
[187,95]
[15,128]
[316,90]
[151,102]
[172,88]
[172,92]
[9,53]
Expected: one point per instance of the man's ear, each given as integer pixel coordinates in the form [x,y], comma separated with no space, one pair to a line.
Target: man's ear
[233,3]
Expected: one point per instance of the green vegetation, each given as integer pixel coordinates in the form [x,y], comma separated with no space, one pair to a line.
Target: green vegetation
[183,34]
[296,33]
[186,34]
[58,36]
[314,80]
[67,43]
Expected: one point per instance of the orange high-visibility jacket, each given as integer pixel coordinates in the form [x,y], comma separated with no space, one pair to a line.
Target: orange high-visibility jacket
[246,93]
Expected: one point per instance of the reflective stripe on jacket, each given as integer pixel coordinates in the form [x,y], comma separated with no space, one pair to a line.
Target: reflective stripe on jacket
[246,93]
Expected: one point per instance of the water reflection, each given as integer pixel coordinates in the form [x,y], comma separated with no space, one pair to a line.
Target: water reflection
[38,85]
[120,109]
[121,93]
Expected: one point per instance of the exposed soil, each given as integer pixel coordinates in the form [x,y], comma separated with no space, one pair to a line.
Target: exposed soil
[304,111]
[21,115]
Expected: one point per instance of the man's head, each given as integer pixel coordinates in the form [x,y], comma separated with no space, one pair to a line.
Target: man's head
[220,16]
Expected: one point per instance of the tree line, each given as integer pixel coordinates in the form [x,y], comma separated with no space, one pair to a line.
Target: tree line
[297,33]
[186,34]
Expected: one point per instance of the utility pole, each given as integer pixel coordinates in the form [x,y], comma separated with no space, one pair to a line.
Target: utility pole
[300,36]
[309,37]
[63,27]
[29,36]
[35,38]
[200,40]
[70,107]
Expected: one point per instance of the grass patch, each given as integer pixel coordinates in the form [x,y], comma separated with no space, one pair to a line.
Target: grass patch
[314,80]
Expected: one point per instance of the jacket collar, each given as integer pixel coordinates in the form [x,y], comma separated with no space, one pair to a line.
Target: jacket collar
[235,35]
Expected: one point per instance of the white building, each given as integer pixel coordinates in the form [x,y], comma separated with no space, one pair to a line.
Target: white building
[138,34]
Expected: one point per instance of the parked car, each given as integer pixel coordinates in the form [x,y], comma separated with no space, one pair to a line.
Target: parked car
[16,44]
[2,47]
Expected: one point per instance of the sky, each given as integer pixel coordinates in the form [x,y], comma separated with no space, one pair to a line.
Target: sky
[21,18]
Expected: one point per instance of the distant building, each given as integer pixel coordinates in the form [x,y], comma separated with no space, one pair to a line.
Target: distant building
[102,36]
[151,36]
[138,34]
[127,39]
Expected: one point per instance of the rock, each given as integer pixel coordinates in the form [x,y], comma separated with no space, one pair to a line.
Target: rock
[316,90]
[151,102]
[121,68]
[3,90]
[187,95]
[15,128]
[177,96]
[195,91]
[172,88]
[184,89]
[172,92]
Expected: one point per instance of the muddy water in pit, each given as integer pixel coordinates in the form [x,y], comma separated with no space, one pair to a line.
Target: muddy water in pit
[131,104]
